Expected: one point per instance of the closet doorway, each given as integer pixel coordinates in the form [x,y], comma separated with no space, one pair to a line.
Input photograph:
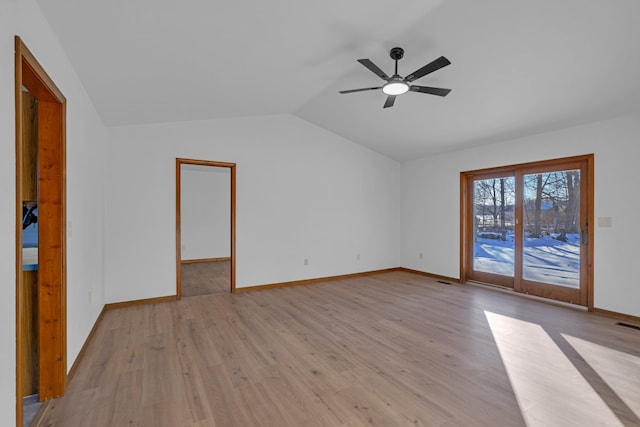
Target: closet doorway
[205,227]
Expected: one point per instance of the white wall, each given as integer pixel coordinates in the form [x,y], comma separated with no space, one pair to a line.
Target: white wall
[302,192]
[205,212]
[86,137]
[431,202]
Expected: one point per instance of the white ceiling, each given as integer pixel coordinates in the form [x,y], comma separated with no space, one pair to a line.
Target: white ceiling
[518,67]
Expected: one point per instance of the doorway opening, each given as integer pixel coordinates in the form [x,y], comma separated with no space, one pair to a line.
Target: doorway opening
[205,227]
[41,324]
[527,227]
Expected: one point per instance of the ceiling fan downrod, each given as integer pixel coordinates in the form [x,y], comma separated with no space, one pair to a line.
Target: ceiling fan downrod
[396,54]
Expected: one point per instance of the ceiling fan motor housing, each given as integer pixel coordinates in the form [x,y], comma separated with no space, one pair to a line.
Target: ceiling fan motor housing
[396,53]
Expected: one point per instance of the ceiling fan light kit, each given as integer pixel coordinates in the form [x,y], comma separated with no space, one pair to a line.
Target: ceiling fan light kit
[396,85]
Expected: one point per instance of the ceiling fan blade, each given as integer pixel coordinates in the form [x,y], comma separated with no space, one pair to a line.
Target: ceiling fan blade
[374,68]
[430,90]
[429,68]
[389,102]
[360,90]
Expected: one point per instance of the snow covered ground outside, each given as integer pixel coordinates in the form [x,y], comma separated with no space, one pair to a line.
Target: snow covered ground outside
[546,259]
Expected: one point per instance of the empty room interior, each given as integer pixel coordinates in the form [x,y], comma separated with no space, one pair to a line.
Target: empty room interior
[319,213]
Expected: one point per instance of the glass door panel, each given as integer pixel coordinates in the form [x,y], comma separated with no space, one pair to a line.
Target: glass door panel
[493,229]
[551,228]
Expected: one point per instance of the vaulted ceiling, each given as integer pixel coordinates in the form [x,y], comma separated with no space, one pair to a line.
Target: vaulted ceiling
[518,67]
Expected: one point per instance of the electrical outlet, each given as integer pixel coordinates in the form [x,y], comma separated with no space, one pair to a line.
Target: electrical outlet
[358,257]
[306,261]
[420,255]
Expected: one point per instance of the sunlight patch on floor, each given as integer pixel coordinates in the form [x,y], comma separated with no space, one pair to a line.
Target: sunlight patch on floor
[549,389]
[621,371]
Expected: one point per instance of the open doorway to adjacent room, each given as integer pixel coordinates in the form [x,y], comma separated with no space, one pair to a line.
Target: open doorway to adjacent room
[41,314]
[205,227]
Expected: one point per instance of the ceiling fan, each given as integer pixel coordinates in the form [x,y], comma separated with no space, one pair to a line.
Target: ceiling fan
[396,85]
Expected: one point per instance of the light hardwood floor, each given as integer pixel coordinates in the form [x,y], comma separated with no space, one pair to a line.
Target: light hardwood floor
[394,349]
[204,278]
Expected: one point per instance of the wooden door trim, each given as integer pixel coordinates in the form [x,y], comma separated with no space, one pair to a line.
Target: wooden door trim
[53,326]
[590,159]
[464,226]
[232,170]
[466,209]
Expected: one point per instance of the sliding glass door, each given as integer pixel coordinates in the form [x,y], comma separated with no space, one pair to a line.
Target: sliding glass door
[526,227]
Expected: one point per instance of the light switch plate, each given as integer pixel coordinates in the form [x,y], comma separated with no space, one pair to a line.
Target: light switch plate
[604,221]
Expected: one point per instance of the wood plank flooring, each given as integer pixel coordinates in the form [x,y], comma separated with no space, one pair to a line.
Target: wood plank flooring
[394,349]
[204,278]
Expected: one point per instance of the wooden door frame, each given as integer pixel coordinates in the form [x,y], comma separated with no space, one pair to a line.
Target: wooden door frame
[232,170]
[466,210]
[52,274]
